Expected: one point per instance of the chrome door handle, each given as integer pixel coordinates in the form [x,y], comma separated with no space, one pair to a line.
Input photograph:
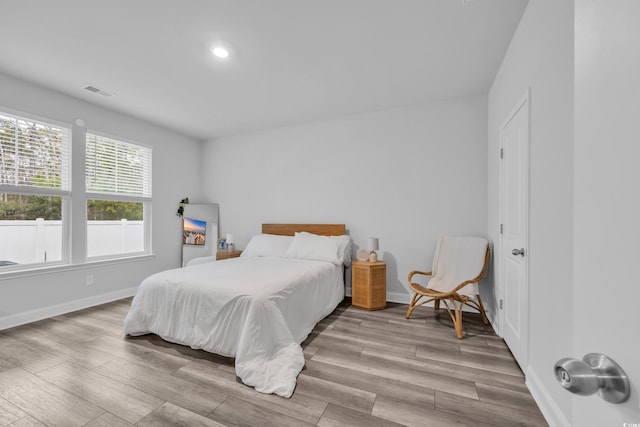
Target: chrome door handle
[594,373]
[517,252]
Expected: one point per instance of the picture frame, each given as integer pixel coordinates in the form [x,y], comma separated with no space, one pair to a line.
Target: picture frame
[194,232]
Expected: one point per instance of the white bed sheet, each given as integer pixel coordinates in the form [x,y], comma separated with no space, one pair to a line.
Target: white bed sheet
[258,310]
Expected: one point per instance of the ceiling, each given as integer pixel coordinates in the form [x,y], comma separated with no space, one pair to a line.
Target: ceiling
[291,61]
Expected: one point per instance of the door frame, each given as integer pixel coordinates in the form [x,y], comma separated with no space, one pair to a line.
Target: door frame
[525,99]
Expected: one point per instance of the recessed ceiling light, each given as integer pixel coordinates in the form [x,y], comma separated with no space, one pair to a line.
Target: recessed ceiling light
[220,52]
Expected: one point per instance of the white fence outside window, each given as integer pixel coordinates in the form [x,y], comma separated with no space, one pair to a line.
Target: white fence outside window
[25,242]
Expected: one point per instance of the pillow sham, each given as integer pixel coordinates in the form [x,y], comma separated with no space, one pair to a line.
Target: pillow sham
[333,249]
[262,245]
[343,246]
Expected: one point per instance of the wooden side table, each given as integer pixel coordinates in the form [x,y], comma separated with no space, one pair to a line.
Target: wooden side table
[369,284]
[226,255]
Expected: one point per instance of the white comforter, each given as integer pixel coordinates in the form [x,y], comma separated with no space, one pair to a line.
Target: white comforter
[257,310]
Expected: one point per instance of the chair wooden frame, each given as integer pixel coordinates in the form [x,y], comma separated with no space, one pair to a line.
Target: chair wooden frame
[457,300]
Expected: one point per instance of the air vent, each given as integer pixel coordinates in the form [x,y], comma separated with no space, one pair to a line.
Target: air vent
[99,91]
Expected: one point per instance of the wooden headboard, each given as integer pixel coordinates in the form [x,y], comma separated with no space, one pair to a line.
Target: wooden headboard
[291,229]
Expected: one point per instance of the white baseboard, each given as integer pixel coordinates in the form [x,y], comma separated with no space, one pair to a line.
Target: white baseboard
[398,297]
[550,410]
[403,298]
[67,307]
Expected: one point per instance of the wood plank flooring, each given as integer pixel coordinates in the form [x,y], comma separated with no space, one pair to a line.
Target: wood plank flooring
[362,369]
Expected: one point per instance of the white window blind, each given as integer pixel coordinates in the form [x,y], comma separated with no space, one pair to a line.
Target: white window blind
[117,167]
[34,154]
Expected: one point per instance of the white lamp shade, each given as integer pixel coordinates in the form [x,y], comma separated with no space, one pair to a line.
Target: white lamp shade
[230,239]
[372,244]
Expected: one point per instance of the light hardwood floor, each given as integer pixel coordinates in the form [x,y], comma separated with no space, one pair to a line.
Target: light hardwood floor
[362,369]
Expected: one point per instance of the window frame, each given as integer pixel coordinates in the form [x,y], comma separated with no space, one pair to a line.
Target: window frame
[119,197]
[64,194]
[74,204]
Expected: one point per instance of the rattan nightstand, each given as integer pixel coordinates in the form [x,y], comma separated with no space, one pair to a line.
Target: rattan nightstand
[226,255]
[369,285]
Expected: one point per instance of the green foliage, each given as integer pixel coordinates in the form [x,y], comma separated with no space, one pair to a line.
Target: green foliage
[40,180]
[10,210]
[181,206]
[103,210]
[20,207]
[46,207]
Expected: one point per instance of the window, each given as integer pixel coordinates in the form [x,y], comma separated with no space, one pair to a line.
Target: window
[36,197]
[34,191]
[118,185]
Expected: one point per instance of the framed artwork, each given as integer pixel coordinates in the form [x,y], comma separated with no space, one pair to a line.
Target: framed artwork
[194,232]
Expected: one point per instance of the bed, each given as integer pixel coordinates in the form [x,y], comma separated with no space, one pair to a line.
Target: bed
[257,308]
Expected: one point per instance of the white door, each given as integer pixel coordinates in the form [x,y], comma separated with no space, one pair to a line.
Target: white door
[606,292]
[513,250]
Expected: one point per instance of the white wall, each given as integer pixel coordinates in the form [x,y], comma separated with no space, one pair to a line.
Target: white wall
[26,298]
[541,57]
[404,175]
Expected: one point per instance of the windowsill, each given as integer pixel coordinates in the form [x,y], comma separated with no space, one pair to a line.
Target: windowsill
[36,271]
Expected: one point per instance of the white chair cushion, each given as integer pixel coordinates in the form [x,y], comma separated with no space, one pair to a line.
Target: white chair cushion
[456,260]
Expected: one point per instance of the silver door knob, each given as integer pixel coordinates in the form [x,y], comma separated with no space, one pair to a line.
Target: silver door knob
[594,373]
[517,252]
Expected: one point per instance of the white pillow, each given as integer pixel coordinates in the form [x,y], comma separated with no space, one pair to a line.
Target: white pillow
[343,246]
[331,249]
[267,245]
[201,260]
